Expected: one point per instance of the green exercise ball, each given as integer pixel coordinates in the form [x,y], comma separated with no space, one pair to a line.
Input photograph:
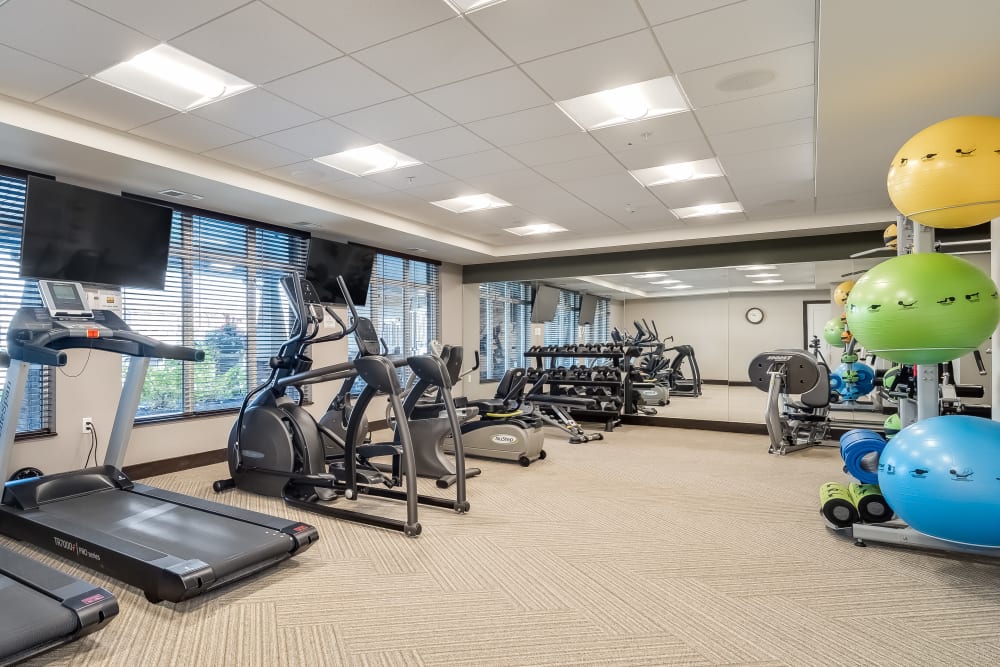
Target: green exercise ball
[925,308]
[892,425]
[832,332]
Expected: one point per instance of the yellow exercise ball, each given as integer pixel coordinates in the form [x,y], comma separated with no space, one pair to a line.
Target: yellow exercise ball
[890,236]
[948,175]
[842,291]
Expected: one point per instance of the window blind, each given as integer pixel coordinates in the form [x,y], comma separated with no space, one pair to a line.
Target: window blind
[504,327]
[564,327]
[598,332]
[36,414]
[404,306]
[222,296]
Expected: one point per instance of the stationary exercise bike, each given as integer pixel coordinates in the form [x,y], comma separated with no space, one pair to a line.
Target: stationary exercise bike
[276,448]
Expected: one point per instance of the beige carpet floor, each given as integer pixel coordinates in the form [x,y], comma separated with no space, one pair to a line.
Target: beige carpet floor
[653,547]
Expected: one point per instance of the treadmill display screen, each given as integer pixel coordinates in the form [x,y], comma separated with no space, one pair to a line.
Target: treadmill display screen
[66,297]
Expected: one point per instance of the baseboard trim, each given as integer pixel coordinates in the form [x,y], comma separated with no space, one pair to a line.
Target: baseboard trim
[176,464]
[719,382]
[699,424]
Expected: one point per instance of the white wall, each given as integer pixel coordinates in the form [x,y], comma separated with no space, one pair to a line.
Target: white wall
[94,393]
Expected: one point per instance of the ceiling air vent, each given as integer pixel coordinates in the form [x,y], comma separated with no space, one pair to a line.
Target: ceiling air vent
[177,194]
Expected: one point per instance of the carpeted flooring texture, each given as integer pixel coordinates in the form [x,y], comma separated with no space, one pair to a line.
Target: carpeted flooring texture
[653,547]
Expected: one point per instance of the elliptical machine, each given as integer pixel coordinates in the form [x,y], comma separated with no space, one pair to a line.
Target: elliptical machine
[276,448]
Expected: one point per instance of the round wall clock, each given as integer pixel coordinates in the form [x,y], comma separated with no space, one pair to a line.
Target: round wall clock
[754,315]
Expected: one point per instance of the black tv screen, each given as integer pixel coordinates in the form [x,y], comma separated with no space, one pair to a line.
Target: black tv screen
[543,308]
[329,259]
[82,235]
[588,309]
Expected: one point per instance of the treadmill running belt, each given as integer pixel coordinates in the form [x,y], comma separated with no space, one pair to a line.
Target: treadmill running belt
[225,545]
[29,618]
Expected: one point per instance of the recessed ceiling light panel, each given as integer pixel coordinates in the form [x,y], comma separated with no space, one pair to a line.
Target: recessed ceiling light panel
[665,281]
[537,228]
[678,172]
[471,203]
[627,104]
[679,287]
[762,275]
[756,267]
[645,276]
[707,209]
[468,6]
[368,160]
[769,281]
[173,78]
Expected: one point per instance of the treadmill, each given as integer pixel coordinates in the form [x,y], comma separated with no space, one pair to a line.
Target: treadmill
[42,608]
[170,545]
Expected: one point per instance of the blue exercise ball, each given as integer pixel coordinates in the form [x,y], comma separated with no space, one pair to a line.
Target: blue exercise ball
[852,381]
[942,476]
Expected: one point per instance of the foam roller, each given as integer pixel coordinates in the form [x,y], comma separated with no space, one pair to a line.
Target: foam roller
[870,502]
[860,449]
[836,505]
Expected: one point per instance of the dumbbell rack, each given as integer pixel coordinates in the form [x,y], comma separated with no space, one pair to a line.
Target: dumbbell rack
[620,389]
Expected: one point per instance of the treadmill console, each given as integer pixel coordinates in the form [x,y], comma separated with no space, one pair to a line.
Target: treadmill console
[64,299]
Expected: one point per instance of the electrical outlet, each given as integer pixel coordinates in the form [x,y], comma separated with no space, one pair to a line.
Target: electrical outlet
[86,425]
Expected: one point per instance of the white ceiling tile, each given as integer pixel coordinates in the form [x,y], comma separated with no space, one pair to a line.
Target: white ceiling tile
[322,137]
[612,193]
[478,164]
[190,132]
[492,94]
[420,175]
[256,112]
[394,120]
[653,132]
[105,105]
[371,21]
[654,155]
[556,149]
[646,217]
[402,204]
[597,165]
[431,57]
[52,30]
[335,87]
[352,188]
[441,144]
[661,11]
[496,218]
[792,68]
[855,201]
[548,201]
[29,78]
[781,209]
[163,20]
[507,181]
[761,138]
[307,173]
[722,35]
[524,126]
[693,193]
[759,195]
[528,29]
[444,190]
[770,167]
[256,43]
[609,64]
[590,222]
[756,111]
[255,154]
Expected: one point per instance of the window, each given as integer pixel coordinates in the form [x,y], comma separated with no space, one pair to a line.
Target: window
[564,328]
[504,327]
[222,296]
[36,413]
[598,332]
[403,305]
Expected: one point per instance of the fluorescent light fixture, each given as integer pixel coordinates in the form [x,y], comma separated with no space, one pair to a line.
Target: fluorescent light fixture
[537,228]
[368,160]
[173,78]
[471,203]
[678,287]
[756,267]
[628,104]
[678,172]
[770,281]
[468,6]
[707,209]
[762,275]
[643,276]
[667,281]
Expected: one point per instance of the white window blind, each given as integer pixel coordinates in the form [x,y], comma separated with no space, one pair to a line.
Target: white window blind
[404,306]
[598,332]
[222,296]
[37,411]
[564,327]
[504,327]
